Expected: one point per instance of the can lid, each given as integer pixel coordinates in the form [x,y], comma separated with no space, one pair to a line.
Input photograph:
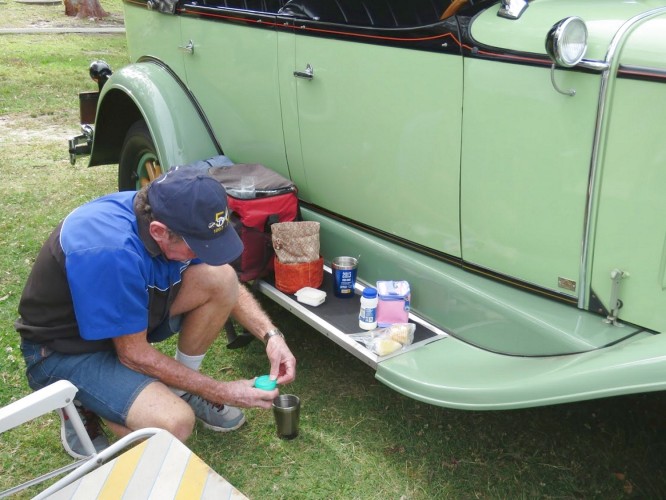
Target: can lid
[264,382]
[369,292]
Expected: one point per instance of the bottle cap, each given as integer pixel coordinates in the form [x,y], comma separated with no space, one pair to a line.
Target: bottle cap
[369,292]
[264,382]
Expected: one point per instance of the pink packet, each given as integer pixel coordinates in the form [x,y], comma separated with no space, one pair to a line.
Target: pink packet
[393,305]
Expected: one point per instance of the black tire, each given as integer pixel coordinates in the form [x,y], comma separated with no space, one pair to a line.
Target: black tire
[137,157]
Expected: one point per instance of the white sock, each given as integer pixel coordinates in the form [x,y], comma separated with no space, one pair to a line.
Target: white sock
[192,362]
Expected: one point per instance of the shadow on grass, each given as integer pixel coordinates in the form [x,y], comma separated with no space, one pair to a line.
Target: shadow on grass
[360,439]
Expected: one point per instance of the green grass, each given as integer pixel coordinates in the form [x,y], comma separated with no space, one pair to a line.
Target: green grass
[41,72]
[358,438]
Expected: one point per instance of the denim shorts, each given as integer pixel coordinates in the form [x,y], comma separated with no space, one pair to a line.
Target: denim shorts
[106,386]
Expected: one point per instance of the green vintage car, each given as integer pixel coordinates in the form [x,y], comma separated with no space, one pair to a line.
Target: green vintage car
[507,159]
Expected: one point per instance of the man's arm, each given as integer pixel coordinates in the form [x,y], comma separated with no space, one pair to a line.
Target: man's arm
[135,352]
[249,313]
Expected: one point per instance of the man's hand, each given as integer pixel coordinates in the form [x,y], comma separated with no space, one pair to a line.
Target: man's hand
[283,362]
[243,393]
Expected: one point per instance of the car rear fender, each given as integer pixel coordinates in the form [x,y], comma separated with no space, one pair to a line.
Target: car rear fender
[148,90]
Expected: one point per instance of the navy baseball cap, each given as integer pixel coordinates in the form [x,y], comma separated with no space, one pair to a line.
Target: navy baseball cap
[194,205]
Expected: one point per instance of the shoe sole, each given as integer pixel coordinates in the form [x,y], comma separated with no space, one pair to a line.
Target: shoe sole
[63,439]
[222,429]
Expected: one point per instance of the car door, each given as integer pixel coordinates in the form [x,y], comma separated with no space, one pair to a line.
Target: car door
[374,135]
[231,65]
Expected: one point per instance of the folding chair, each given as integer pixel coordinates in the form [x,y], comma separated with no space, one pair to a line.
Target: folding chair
[159,467]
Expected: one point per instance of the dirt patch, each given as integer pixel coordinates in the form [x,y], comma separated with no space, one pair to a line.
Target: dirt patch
[39,16]
[111,21]
[19,129]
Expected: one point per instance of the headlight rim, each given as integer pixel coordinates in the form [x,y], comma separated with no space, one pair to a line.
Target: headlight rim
[556,38]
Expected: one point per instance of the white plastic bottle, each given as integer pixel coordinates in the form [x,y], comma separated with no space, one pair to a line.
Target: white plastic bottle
[367,318]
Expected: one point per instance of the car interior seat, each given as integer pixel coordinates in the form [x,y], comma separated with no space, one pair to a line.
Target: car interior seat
[370,13]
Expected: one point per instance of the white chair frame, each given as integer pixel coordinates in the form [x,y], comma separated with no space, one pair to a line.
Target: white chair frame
[60,395]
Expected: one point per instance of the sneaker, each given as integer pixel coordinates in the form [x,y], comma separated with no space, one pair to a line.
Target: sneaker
[70,440]
[218,418]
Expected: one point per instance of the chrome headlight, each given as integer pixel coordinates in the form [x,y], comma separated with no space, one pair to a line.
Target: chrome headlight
[566,42]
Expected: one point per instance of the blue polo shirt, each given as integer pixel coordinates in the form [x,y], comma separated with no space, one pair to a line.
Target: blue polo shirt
[109,270]
[100,275]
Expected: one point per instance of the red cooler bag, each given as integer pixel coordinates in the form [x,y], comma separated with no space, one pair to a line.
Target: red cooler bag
[258,197]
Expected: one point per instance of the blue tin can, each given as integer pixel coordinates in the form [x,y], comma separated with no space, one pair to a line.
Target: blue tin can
[344,276]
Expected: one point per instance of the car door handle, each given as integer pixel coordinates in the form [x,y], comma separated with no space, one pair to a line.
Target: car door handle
[308,74]
[189,48]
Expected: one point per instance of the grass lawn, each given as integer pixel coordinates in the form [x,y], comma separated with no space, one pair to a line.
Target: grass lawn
[358,438]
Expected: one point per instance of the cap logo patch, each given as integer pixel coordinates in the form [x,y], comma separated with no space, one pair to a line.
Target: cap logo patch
[221,221]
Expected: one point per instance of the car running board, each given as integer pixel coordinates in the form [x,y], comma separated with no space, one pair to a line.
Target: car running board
[336,318]
[443,370]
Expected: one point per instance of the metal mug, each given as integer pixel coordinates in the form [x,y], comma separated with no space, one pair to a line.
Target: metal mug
[344,276]
[287,410]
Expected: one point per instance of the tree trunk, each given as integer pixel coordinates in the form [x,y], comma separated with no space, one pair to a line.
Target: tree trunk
[84,9]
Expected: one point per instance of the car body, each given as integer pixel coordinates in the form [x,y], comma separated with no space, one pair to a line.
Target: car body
[519,194]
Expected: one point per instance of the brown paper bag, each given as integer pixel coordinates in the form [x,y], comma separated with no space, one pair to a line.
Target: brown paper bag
[296,242]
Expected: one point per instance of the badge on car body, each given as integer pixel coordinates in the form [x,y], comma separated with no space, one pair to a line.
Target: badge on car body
[567,284]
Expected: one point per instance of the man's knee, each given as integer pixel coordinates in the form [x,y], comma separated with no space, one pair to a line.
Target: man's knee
[216,280]
[226,279]
[223,285]
[182,424]
[207,285]
[179,421]
[157,406]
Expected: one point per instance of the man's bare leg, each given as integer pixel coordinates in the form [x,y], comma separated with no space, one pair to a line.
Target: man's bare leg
[206,298]
[157,406]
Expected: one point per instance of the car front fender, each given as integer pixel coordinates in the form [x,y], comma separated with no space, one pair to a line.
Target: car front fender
[455,374]
[149,91]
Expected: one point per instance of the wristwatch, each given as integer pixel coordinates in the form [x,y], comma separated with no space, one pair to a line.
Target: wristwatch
[272,333]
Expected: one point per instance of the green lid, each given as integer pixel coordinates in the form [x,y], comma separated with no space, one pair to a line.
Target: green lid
[264,382]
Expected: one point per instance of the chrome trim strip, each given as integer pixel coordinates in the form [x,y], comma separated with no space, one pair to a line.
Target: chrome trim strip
[593,65]
[612,64]
[641,72]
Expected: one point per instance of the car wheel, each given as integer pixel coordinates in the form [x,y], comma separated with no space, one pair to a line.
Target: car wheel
[138,159]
